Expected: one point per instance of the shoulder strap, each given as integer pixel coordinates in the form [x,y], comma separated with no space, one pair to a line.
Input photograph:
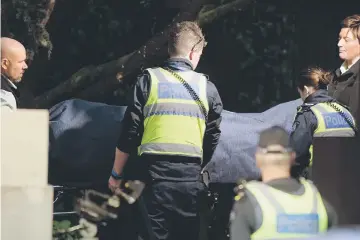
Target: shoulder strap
[191,92]
[347,119]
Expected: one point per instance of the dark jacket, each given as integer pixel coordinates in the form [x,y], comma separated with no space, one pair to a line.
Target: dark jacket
[246,210]
[5,85]
[133,125]
[345,88]
[304,126]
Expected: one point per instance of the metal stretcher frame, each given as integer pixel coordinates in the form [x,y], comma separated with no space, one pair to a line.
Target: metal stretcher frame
[59,192]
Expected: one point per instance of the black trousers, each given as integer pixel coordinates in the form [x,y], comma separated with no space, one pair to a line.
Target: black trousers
[173,209]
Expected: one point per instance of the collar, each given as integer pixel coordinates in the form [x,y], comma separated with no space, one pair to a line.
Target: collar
[12,85]
[344,68]
[179,64]
[318,97]
[279,183]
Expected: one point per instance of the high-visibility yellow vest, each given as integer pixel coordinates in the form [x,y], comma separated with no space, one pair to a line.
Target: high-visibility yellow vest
[331,123]
[173,122]
[286,215]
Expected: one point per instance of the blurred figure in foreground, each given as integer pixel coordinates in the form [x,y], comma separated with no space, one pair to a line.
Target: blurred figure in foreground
[279,207]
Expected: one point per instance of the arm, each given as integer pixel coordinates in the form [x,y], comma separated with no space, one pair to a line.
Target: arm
[132,123]
[354,104]
[242,219]
[301,138]
[212,132]
[332,216]
[8,102]
[6,107]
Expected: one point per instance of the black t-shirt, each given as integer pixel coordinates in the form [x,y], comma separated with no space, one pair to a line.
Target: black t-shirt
[243,217]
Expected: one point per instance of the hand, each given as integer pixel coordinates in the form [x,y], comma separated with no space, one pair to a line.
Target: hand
[114,184]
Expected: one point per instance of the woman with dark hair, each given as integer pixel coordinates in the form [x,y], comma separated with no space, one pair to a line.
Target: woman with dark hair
[319,116]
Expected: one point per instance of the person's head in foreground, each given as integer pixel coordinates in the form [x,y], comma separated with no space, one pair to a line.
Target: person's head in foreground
[312,80]
[274,157]
[186,40]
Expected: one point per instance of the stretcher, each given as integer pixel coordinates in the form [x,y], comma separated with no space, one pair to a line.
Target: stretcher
[91,207]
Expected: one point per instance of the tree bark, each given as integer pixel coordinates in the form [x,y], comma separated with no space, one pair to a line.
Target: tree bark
[105,77]
[49,9]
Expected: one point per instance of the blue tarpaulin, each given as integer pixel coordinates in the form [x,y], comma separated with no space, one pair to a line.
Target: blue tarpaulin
[83,138]
[234,156]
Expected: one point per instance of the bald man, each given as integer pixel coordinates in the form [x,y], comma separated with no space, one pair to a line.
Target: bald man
[13,66]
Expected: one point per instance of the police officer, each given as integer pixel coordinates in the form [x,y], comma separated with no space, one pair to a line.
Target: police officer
[279,207]
[175,118]
[319,116]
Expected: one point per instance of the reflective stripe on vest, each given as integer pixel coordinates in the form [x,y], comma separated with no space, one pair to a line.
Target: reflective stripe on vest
[173,122]
[331,123]
[286,215]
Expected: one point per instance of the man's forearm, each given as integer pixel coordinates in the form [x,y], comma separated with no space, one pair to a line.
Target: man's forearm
[120,161]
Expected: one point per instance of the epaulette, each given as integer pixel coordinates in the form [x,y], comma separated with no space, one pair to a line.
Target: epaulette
[141,75]
[308,104]
[240,190]
[298,109]
[305,107]
[205,75]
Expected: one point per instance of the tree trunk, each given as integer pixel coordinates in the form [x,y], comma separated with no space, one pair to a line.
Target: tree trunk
[105,77]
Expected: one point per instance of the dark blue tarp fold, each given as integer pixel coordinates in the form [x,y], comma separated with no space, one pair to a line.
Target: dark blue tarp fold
[83,138]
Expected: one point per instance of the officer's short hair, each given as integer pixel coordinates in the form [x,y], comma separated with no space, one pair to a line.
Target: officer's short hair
[184,37]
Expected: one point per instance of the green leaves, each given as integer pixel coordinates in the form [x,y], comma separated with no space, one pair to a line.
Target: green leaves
[65,224]
[258,44]
[26,22]
[60,229]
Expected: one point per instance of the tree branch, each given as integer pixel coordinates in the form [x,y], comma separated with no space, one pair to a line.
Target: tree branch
[113,72]
[108,70]
[209,16]
[50,8]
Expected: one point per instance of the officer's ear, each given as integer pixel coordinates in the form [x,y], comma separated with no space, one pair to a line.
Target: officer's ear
[258,158]
[292,157]
[191,55]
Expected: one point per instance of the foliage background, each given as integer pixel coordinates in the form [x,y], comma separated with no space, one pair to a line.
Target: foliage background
[253,55]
